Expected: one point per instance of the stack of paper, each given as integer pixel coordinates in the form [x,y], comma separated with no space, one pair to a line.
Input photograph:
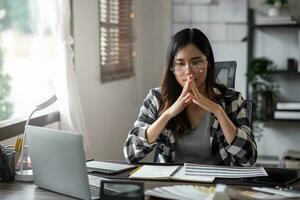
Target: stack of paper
[223,172]
[190,192]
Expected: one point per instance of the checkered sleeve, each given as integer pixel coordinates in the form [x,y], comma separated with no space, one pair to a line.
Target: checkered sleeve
[243,148]
[136,146]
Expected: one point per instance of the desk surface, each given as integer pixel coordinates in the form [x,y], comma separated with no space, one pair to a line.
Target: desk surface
[27,191]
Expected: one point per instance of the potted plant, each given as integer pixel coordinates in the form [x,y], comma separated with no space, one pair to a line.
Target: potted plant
[264,90]
[275,6]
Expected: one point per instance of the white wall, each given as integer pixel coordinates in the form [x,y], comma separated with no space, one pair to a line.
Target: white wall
[111,108]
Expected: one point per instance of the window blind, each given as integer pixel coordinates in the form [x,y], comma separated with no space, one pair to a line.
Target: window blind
[116,39]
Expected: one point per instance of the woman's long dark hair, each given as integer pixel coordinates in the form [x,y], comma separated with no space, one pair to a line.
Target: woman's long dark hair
[171,89]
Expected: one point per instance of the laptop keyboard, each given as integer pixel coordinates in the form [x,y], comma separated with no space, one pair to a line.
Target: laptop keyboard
[95,191]
[94,184]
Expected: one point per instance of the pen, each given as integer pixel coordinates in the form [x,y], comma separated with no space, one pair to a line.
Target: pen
[18,144]
[135,170]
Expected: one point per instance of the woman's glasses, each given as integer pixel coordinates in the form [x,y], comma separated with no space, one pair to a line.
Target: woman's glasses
[182,67]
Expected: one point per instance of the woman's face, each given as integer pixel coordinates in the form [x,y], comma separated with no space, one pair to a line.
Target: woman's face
[190,60]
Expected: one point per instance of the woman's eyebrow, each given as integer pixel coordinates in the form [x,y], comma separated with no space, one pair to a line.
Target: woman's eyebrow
[194,58]
[179,59]
[197,58]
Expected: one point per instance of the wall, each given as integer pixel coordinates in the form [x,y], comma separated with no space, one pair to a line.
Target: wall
[225,25]
[111,108]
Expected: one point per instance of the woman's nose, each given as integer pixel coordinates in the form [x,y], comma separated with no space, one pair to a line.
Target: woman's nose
[188,69]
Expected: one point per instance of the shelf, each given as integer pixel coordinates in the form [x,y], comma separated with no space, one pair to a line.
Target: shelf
[285,72]
[285,120]
[272,121]
[295,26]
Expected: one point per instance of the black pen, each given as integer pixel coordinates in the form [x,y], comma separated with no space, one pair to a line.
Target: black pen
[89,160]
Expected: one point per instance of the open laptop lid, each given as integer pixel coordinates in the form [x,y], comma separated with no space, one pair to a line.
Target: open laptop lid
[58,161]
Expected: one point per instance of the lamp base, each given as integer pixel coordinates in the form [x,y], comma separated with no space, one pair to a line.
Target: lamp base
[25,175]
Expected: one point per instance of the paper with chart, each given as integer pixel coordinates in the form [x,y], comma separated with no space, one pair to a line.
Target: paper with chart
[181,176]
[167,172]
[223,171]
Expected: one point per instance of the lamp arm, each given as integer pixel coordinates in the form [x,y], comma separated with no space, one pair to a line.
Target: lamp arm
[24,140]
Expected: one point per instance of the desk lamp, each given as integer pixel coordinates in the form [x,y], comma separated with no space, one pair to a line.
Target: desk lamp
[27,175]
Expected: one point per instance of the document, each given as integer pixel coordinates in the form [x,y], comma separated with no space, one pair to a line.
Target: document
[196,172]
[190,192]
[167,172]
[223,171]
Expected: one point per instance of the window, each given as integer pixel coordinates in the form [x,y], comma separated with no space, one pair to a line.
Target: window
[27,50]
[116,39]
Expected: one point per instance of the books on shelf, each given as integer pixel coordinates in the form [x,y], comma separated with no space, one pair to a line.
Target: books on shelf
[261,19]
[286,114]
[196,172]
[288,106]
[291,159]
[287,110]
[267,161]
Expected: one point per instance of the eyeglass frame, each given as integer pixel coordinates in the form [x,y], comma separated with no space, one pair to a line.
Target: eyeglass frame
[192,64]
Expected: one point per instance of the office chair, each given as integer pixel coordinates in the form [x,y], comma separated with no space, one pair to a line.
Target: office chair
[225,73]
[249,107]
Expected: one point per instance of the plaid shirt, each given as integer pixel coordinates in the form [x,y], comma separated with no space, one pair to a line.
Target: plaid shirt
[242,151]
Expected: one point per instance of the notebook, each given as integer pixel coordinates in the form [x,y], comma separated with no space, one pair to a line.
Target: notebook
[58,163]
[107,168]
[158,172]
[195,172]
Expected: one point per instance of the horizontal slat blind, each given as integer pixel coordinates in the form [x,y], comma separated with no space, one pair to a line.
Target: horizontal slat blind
[116,39]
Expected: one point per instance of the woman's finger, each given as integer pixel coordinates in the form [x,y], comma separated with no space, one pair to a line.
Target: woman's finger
[185,88]
[194,88]
[187,96]
[190,99]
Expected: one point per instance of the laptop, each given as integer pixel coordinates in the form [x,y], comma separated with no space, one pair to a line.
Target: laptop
[58,163]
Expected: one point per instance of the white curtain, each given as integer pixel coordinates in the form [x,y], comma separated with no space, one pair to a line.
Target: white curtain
[57,16]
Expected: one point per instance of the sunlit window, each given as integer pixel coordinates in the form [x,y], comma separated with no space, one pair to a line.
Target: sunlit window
[27,56]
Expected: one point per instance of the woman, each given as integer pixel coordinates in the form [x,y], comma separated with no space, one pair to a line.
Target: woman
[191,118]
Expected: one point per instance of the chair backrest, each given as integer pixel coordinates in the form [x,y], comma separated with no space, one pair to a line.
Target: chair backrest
[249,107]
[225,73]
